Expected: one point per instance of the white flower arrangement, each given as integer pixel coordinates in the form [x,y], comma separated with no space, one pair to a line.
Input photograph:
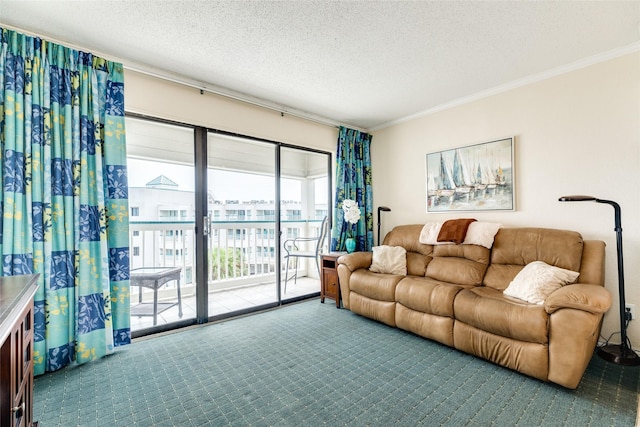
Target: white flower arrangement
[351,213]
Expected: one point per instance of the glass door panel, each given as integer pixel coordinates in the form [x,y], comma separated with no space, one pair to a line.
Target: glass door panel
[162,220]
[305,198]
[241,213]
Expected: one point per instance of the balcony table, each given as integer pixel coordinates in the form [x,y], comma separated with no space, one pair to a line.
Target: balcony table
[154,278]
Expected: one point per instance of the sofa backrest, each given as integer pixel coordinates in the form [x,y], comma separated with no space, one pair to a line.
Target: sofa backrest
[461,264]
[513,248]
[418,255]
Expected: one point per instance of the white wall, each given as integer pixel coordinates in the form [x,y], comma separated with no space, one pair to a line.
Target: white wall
[163,99]
[577,133]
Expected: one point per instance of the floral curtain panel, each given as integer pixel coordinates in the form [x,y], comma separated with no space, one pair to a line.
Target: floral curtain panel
[353,182]
[64,195]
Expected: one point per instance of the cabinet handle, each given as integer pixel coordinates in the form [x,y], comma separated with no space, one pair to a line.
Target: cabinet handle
[18,408]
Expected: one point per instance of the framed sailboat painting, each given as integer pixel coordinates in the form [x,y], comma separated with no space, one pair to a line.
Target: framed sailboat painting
[473,178]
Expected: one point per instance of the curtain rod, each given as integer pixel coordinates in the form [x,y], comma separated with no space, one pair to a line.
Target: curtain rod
[239,96]
[182,80]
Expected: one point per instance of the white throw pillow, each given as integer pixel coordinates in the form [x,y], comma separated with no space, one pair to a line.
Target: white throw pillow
[389,260]
[537,280]
[481,233]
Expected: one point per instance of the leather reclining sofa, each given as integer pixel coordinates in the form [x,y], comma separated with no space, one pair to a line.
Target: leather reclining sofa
[453,294]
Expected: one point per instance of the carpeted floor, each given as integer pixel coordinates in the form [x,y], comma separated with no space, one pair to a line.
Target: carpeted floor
[309,364]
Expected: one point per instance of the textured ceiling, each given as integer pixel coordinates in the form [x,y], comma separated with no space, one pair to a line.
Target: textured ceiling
[360,63]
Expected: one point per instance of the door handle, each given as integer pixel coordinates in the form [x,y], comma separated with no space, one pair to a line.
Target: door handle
[206,225]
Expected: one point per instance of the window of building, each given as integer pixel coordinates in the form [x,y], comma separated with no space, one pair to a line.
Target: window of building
[135,211]
[168,213]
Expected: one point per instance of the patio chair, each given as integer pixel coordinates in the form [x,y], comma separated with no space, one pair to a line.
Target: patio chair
[295,248]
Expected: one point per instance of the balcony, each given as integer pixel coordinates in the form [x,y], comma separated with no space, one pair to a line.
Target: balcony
[241,272]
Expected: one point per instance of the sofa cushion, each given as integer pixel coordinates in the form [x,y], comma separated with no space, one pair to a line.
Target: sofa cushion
[489,310]
[382,311]
[417,264]
[513,248]
[427,295]
[434,327]
[389,260]
[461,264]
[537,280]
[377,286]
[529,358]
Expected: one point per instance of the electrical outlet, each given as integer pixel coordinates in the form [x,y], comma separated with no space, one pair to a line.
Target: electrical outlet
[631,308]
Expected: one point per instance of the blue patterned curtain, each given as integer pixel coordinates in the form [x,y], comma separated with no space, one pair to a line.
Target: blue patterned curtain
[64,195]
[353,181]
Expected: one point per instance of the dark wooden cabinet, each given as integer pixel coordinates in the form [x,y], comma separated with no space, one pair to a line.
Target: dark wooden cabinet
[330,284]
[16,350]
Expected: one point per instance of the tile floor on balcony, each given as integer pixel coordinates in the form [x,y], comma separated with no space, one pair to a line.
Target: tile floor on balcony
[227,301]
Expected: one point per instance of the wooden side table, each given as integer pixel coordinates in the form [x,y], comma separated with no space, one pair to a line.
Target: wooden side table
[330,284]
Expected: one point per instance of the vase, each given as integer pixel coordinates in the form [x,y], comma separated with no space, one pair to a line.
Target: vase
[350,244]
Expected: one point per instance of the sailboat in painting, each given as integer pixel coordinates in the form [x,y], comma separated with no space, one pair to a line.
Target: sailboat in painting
[461,176]
[441,186]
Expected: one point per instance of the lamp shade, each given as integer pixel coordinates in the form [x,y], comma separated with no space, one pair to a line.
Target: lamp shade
[577,198]
[381,209]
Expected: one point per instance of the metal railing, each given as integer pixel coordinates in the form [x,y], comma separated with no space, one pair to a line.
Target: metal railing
[241,253]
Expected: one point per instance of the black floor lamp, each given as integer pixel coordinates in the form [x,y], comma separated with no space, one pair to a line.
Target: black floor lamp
[621,354]
[385,209]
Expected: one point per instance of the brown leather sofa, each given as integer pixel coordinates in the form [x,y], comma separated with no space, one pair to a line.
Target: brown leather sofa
[452,294]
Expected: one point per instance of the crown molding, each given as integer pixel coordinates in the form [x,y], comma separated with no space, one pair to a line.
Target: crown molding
[558,71]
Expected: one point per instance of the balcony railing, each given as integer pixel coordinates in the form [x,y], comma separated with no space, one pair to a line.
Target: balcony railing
[241,253]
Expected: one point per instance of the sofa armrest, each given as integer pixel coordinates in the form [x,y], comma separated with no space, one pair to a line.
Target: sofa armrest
[356,260]
[590,298]
[347,264]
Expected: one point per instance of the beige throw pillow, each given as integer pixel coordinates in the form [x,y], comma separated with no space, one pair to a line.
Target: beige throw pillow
[537,280]
[389,260]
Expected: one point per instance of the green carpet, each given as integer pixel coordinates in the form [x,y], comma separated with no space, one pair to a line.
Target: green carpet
[310,364]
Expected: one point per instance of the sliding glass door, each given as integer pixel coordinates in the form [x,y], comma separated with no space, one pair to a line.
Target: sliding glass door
[221,224]
[304,202]
[160,167]
[242,229]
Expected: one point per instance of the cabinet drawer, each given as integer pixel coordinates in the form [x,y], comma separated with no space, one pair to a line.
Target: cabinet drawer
[331,285]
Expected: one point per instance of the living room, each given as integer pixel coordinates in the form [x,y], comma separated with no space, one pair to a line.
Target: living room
[570,125]
[576,129]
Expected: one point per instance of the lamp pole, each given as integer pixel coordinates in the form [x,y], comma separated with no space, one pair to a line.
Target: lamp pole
[621,354]
[381,209]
